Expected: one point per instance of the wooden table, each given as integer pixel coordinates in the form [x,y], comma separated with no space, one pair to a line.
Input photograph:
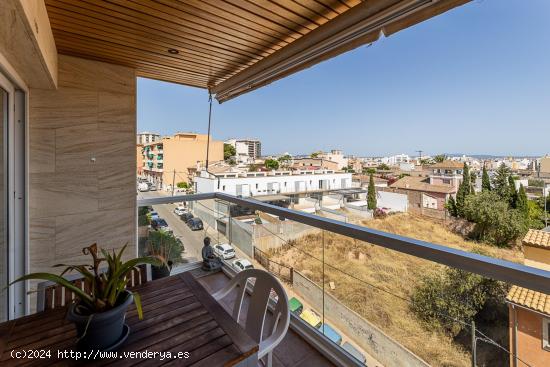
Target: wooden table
[179,316]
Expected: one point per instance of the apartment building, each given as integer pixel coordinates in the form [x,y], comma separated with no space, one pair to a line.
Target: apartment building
[147,137]
[274,182]
[246,150]
[308,163]
[529,311]
[396,160]
[139,160]
[447,173]
[544,167]
[167,161]
[335,155]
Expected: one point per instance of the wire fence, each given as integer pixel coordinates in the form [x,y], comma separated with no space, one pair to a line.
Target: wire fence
[283,272]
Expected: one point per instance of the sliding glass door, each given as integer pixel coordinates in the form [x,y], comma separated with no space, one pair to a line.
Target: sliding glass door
[12,199]
[4,255]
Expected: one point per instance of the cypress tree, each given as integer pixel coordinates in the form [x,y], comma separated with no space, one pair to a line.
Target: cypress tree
[464,190]
[500,182]
[513,193]
[522,203]
[371,195]
[485,180]
[451,207]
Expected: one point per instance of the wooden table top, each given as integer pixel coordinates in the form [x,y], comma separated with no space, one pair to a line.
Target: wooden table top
[179,316]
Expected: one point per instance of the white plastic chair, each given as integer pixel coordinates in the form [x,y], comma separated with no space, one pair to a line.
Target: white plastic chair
[257,308]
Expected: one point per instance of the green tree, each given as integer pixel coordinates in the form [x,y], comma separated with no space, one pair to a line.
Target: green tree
[485,180]
[371,195]
[464,189]
[451,207]
[314,154]
[369,170]
[455,294]
[272,164]
[500,182]
[182,185]
[383,167]
[495,222]
[535,215]
[440,158]
[284,160]
[228,151]
[513,194]
[522,203]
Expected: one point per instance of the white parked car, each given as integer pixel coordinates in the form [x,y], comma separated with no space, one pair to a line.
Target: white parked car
[242,264]
[224,250]
[180,210]
[142,187]
[154,215]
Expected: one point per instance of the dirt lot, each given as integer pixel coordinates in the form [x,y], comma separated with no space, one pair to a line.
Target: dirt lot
[376,282]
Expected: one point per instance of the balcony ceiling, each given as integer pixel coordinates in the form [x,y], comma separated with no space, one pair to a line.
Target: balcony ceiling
[215,40]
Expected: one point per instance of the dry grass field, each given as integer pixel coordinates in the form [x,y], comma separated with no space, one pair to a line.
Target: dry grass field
[391,272]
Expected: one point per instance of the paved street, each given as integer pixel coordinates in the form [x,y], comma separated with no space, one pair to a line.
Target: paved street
[192,240]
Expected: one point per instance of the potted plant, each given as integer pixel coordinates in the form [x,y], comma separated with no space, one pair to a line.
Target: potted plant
[167,246]
[99,313]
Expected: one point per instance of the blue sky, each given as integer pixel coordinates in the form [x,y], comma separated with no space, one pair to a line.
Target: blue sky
[473,80]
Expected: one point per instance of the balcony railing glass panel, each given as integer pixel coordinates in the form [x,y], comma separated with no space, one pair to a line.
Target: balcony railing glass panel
[381,297]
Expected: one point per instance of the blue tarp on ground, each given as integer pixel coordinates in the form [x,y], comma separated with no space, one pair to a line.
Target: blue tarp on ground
[331,333]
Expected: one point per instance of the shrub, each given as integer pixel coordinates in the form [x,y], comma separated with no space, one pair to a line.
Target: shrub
[452,295]
[495,222]
[166,245]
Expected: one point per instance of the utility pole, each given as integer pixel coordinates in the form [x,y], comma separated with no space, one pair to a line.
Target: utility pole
[173,181]
[420,156]
[473,344]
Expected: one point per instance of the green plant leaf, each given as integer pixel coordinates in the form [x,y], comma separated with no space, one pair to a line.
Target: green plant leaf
[137,301]
[79,268]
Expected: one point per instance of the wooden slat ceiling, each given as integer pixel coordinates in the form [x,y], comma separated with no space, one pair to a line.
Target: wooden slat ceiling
[214,39]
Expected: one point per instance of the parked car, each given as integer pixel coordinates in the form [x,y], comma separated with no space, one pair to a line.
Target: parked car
[224,250]
[195,224]
[143,187]
[242,264]
[180,210]
[186,216]
[152,187]
[154,215]
[160,224]
[354,352]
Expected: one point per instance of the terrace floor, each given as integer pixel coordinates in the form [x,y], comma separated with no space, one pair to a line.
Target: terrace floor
[293,351]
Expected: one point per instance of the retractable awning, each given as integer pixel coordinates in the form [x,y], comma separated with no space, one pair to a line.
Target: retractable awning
[229,47]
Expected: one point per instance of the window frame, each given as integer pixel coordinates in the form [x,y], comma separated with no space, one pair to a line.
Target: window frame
[546,334]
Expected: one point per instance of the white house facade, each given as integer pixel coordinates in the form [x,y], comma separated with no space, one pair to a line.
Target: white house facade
[269,183]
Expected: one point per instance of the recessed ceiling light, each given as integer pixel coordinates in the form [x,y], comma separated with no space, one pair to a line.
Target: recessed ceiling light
[173,51]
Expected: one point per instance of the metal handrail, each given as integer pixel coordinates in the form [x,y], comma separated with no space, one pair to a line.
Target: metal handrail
[507,271]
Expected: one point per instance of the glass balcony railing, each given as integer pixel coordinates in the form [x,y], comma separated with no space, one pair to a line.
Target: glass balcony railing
[377,297]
